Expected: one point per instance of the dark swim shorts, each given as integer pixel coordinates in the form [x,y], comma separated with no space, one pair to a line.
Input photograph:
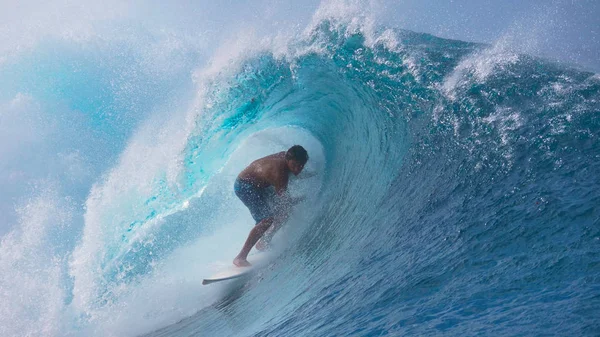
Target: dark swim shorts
[256,199]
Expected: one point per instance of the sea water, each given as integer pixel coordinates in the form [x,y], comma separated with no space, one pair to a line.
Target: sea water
[456,190]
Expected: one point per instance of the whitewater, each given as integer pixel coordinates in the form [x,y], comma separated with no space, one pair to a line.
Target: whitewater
[456,189]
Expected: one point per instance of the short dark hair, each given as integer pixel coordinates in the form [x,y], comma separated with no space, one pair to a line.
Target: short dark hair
[297,153]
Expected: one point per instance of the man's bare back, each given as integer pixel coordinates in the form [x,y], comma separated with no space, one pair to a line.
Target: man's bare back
[268,171]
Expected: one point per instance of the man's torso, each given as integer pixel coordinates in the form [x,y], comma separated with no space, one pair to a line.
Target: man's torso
[264,172]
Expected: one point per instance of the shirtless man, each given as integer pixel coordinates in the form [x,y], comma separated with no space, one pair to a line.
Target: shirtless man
[251,186]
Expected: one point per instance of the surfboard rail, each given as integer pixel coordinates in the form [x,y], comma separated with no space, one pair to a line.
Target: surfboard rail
[258,261]
[214,279]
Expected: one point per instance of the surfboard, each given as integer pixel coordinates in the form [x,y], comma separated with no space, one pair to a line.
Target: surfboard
[257,261]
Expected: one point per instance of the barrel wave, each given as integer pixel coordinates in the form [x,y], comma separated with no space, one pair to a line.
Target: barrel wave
[456,187]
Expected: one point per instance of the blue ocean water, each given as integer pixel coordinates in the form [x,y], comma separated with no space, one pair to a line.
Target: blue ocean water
[457,188]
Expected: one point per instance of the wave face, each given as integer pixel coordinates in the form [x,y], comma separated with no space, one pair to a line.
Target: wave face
[456,190]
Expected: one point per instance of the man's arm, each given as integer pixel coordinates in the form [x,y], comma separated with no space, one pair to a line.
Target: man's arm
[284,202]
[281,184]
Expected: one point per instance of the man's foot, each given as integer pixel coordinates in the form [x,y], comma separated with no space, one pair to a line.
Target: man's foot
[238,261]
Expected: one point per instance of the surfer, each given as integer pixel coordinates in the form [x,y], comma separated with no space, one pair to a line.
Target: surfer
[268,210]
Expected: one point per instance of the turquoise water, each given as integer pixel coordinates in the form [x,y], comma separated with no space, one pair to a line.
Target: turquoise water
[456,190]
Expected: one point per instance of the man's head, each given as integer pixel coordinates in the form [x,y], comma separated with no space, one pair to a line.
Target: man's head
[295,158]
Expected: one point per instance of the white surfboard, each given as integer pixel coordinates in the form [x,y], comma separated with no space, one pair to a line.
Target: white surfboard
[257,261]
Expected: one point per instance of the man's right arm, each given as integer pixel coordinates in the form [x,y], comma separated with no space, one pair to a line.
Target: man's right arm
[281,184]
[284,202]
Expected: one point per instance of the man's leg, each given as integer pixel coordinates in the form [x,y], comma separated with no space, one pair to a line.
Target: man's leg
[255,234]
[282,213]
[265,240]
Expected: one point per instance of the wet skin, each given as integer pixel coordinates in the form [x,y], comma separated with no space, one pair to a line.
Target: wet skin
[272,170]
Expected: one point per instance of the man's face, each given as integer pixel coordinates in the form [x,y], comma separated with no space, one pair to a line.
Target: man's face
[295,167]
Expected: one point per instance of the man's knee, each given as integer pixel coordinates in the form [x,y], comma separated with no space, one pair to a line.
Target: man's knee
[265,223]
